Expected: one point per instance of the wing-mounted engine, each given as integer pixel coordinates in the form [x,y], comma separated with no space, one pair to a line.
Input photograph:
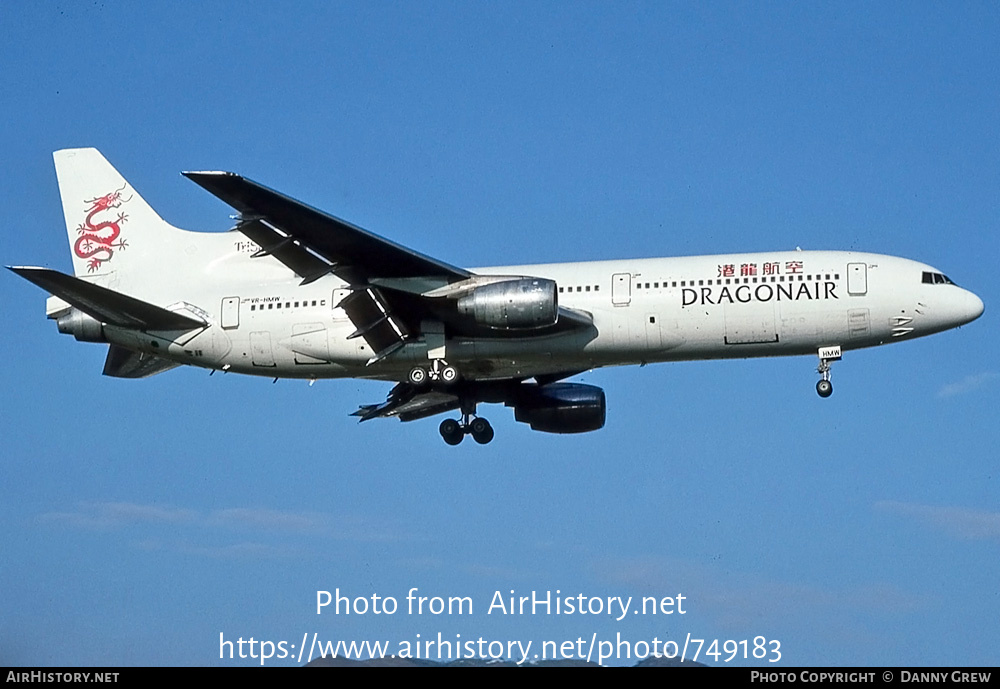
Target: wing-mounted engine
[560,407]
[516,304]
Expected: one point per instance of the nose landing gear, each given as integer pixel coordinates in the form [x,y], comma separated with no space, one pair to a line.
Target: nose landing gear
[824,388]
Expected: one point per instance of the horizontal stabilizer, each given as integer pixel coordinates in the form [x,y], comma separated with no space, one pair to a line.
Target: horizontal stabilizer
[106,305]
[125,363]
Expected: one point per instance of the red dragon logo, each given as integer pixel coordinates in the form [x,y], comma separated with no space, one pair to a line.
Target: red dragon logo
[98,242]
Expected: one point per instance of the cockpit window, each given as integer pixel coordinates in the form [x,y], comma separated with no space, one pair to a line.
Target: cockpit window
[936,279]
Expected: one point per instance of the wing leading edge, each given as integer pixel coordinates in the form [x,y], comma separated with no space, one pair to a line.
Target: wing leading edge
[308,240]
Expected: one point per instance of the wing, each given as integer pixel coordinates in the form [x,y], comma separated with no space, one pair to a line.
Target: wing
[308,240]
[125,363]
[408,404]
[394,290]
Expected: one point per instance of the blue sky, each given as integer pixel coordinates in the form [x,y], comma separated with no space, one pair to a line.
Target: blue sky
[141,519]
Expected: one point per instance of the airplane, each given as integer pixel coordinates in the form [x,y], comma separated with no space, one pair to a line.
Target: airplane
[292,292]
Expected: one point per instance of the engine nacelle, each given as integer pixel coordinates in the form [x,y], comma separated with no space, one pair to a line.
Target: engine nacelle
[561,407]
[83,327]
[513,304]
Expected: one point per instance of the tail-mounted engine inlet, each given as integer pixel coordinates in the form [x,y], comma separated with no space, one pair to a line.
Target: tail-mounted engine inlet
[81,326]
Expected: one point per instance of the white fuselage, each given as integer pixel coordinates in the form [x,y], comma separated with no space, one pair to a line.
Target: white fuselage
[644,311]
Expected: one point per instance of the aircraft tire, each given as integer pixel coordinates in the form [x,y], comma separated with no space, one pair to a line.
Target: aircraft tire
[451,431]
[417,376]
[449,374]
[824,388]
[482,431]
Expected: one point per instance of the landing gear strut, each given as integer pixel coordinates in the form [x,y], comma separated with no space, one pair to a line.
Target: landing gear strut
[479,428]
[824,388]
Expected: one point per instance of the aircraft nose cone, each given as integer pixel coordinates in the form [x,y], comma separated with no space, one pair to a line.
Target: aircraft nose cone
[958,308]
[974,307]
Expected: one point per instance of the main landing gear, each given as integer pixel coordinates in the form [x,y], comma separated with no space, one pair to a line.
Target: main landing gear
[479,428]
[824,388]
[440,370]
[452,430]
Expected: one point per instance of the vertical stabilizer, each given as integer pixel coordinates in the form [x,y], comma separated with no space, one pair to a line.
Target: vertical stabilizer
[110,227]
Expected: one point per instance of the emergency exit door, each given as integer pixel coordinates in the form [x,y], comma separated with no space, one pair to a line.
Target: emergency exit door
[621,289]
[230,313]
[857,279]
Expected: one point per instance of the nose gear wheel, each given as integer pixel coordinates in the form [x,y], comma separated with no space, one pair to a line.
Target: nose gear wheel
[824,388]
